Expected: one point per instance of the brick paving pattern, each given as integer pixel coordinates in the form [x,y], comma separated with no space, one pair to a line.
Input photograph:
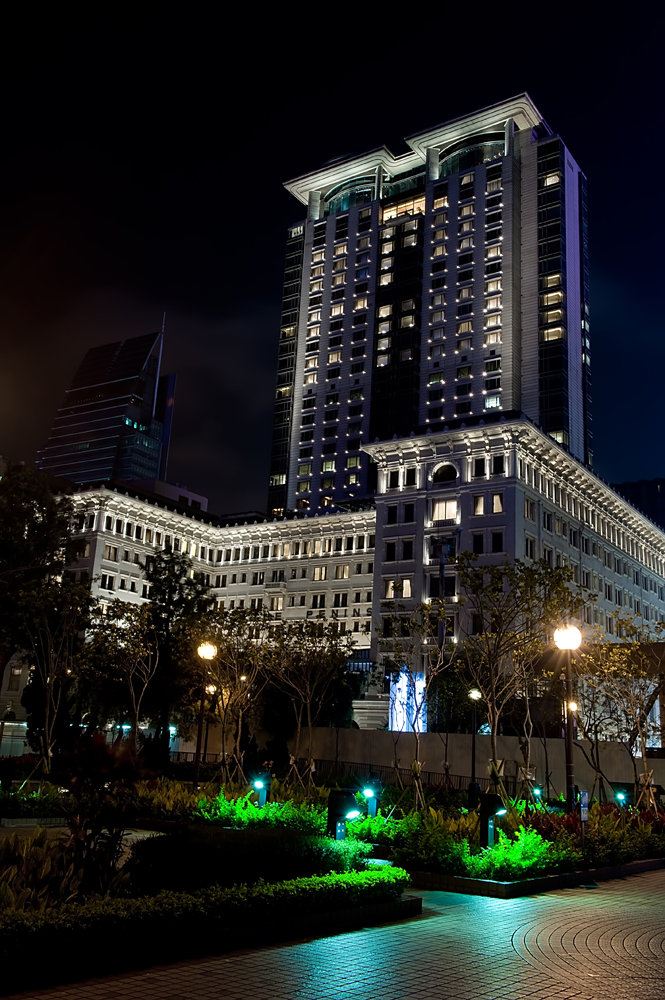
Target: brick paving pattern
[574,944]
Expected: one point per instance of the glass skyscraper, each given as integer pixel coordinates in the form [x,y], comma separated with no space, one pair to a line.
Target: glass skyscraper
[115,419]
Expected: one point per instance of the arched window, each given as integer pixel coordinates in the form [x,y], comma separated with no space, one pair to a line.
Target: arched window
[445,474]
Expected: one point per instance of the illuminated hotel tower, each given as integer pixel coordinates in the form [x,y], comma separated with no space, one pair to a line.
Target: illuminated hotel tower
[442,287]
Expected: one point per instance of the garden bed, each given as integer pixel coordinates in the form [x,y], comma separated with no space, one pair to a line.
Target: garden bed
[112,936]
[529,886]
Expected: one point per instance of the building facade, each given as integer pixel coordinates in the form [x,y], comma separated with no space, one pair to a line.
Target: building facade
[115,419]
[428,289]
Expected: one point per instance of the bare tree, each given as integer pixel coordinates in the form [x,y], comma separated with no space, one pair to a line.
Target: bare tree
[625,675]
[235,675]
[417,648]
[306,659]
[509,613]
[51,620]
[122,652]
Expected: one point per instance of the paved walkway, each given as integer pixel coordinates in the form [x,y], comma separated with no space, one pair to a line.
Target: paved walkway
[584,943]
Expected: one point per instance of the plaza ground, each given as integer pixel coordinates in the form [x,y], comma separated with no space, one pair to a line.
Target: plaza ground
[588,943]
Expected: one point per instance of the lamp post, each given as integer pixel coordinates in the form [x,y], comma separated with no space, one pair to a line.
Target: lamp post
[567,639]
[474,788]
[207,651]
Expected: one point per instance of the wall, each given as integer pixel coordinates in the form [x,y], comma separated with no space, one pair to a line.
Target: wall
[376,747]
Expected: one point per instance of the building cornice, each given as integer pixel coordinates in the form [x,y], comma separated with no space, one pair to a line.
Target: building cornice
[533,445]
[519,109]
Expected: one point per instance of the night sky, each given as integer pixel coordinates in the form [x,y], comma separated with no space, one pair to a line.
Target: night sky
[143,154]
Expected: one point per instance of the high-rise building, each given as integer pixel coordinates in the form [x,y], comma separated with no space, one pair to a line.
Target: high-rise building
[441,287]
[115,419]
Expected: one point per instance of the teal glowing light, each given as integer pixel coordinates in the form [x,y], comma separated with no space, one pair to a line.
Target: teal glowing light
[537,791]
[621,797]
[501,812]
[258,783]
[368,793]
[353,814]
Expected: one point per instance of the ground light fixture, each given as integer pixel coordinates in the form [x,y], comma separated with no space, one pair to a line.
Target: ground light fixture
[260,785]
[491,805]
[372,800]
[342,808]
[567,638]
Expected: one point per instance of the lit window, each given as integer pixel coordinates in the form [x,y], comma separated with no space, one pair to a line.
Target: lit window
[439,251]
[337,310]
[386,279]
[479,505]
[310,378]
[493,338]
[493,185]
[407,321]
[385,311]
[493,302]
[328,465]
[305,486]
[494,285]
[444,510]
[551,298]
[551,179]
[387,248]
[439,234]
[466,210]
[497,503]
[334,357]
[383,344]
[361,302]
[553,333]
[492,402]
[304,468]
[340,249]
[492,321]
[493,251]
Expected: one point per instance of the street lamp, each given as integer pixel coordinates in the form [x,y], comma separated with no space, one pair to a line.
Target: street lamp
[474,787]
[567,639]
[207,651]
